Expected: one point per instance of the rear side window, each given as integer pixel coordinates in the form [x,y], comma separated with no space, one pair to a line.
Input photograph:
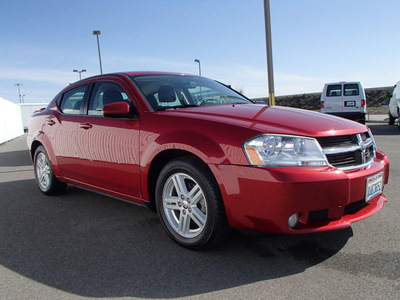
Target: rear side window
[351,89]
[72,101]
[334,90]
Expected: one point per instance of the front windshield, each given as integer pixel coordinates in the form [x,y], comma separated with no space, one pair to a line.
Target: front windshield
[177,91]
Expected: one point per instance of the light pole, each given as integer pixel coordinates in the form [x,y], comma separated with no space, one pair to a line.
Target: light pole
[267,17]
[97,33]
[198,61]
[19,92]
[81,71]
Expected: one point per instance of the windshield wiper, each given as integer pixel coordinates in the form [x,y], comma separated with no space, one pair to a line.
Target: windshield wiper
[178,106]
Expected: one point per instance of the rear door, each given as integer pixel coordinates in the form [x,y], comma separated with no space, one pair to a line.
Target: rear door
[334,99]
[62,130]
[351,98]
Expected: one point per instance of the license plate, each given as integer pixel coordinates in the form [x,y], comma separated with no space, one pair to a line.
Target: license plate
[350,103]
[374,186]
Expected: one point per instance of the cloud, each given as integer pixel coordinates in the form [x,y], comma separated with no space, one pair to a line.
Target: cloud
[117,63]
[42,75]
[38,85]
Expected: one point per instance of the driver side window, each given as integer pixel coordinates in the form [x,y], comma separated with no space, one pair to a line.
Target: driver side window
[106,93]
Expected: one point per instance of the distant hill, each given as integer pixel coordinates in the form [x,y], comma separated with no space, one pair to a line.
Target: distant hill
[376,97]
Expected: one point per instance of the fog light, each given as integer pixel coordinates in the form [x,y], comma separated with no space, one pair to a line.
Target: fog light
[293,220]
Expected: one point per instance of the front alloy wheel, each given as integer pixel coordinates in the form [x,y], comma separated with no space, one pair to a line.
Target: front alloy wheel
[184,205]
[189,204]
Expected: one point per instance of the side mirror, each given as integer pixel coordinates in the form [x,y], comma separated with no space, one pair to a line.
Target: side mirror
[117,110]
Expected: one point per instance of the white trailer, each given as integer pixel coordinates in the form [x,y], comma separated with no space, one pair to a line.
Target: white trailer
[28,109]
[10,121]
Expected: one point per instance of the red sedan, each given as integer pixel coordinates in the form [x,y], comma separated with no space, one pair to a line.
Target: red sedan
[206,157]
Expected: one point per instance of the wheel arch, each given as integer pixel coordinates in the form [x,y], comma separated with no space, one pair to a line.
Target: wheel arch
[34,146]
[53,160]
[159,162]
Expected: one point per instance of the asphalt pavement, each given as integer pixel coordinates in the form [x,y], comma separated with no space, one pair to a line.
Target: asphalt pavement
[82,245]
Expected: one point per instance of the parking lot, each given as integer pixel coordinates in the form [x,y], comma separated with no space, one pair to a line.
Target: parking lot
[82,244]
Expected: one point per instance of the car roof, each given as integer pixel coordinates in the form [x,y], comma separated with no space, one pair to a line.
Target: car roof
[124,74]
[139,73]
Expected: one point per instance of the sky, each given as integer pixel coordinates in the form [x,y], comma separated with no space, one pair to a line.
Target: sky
[313,42]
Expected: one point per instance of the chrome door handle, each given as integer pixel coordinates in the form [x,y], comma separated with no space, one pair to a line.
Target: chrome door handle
[50,122]
[85,125]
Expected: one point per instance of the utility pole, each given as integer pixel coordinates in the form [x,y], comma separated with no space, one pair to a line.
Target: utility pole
[267,17]
[19,92]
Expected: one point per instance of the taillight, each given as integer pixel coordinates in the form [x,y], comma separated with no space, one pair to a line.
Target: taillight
[362,103]
[322,104]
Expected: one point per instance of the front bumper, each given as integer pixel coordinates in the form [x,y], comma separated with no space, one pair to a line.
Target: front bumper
[323,198]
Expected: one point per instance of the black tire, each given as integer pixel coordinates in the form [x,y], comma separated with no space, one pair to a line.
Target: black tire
[45,179]
[189,204]
[398,119]
[391,119]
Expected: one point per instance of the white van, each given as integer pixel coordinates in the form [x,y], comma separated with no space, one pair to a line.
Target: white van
[344,99]
[394,105]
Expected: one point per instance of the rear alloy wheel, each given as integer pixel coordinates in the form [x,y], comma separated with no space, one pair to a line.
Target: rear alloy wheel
[189,204]
[45,178]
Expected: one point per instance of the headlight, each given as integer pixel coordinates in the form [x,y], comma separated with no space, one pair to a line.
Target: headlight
[284,151]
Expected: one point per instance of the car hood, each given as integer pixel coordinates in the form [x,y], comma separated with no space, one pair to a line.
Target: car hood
[274,119]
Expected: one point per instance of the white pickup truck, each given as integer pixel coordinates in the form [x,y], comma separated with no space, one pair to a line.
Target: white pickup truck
[394,105]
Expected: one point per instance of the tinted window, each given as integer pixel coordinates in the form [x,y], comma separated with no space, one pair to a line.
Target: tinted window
[334,90]
[106,93]
[176,91]
[351,89]
[72,101]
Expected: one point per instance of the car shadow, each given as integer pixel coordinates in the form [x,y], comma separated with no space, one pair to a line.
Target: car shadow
[384,129]
[95,246]
[15,159]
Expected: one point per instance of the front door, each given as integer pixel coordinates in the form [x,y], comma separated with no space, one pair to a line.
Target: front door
[109,147]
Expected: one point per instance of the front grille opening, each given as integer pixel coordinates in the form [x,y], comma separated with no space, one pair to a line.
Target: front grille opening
[365,136]
[354,207]
[318,215]
[342,160]
[342,140]
[348,151]
[369,154]
[321,215]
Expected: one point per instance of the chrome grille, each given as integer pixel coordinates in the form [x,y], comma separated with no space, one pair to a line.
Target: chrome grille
[348,151]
